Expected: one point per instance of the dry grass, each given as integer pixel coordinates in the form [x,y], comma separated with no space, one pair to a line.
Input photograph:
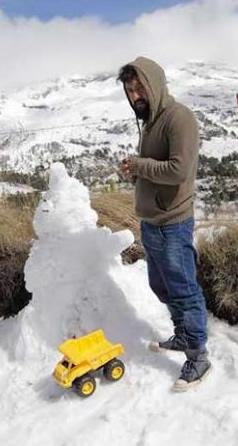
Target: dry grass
[218,273]
[116,210]
[15,224]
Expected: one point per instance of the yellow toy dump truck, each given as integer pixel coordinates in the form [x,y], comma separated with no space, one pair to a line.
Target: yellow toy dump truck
[83,357]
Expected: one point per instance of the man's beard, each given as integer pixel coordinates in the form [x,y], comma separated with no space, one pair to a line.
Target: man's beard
[142,109]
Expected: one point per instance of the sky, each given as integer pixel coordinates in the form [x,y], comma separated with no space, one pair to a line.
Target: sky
[109,10]
[92,36]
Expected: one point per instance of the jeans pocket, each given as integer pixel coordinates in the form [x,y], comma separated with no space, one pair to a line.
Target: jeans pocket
[187,228]
[161,233]
[152,236]
[170,231]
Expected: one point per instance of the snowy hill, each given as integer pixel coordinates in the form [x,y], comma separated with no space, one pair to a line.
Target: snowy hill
[89,123]
[79,284]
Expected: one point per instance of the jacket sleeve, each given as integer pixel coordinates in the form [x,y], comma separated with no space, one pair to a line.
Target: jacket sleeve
[183,140]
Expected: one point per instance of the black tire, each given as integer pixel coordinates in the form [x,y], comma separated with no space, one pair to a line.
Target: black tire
[114,370]
[85,386]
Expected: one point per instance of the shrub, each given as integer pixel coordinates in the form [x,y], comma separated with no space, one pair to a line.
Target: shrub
[39,179]
[218,273]
[16,233]
[22,200]
[133,253]
[13,294]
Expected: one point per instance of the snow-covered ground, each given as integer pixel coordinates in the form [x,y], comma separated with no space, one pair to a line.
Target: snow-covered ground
[13,189]
[79,284]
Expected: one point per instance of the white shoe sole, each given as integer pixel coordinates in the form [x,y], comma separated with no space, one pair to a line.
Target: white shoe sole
[155,347]
[182,386]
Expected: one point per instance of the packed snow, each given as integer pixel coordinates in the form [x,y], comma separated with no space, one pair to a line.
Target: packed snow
[79,284]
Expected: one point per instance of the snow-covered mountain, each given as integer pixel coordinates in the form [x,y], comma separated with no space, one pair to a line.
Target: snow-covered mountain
[88,121]
[66,118]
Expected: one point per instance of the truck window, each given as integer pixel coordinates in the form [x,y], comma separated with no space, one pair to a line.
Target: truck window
[67,364]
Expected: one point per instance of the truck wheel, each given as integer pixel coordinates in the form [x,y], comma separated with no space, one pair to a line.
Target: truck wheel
[114,370]
[85,385]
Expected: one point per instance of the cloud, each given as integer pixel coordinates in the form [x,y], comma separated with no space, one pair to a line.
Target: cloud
[31,50]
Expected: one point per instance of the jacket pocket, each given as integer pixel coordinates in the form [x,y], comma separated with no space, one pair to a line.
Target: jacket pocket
[166,197]
[169,198]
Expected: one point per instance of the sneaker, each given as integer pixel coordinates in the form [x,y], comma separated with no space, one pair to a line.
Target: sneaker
[177,343]
[194,371]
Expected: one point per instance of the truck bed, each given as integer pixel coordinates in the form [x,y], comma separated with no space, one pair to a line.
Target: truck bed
[91,348]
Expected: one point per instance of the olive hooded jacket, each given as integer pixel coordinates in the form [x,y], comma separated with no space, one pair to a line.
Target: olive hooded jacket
[166,167]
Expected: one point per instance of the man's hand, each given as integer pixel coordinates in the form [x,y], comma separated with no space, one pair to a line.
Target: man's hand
[126,166]
[126,170]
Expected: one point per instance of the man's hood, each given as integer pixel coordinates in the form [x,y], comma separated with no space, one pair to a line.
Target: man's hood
[152,77]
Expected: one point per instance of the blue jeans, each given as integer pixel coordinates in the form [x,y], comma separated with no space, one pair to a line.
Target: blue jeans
[171,261]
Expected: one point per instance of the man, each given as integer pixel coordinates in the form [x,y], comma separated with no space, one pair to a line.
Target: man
[164,172]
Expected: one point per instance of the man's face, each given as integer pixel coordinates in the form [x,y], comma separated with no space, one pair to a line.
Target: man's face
[138,98]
